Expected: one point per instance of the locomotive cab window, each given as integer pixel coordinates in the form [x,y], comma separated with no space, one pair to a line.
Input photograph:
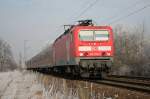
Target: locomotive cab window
[102,35]
[86,35]
[93,35]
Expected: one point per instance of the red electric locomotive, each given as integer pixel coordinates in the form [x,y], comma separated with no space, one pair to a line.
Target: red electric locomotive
[84,49]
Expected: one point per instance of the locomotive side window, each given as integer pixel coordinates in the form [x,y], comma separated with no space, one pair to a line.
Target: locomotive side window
[71,36]
[102,35]
[86,35]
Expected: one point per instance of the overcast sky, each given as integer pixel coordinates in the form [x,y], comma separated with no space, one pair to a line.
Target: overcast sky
[39,22]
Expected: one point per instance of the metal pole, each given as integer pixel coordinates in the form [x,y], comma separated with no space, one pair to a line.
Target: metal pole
[25,53]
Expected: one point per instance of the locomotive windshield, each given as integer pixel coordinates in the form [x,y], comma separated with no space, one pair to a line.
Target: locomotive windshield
[93,35]
[86,35]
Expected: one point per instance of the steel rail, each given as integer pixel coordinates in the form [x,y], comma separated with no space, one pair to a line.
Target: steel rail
[124,84]
[130,77]
[136,81]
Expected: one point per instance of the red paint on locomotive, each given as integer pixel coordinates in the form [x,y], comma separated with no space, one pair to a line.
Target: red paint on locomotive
[94,47]
[70,45]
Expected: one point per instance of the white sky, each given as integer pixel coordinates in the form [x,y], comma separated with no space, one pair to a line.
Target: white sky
[40,21]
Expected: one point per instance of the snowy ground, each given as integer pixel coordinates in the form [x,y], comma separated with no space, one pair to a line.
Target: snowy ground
[31,85]
[25,85]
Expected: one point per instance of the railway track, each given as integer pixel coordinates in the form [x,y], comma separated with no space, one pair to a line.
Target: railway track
[141,84]
[132,83]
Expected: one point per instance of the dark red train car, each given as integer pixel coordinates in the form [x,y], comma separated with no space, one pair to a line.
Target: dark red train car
[42,60]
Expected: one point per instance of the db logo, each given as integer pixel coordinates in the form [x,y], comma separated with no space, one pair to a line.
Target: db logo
[94,48]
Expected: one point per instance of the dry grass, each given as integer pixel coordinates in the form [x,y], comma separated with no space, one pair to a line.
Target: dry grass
[86,90]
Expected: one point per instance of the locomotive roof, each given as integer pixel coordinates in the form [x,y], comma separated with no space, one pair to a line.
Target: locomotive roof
[80,23]
[66,32]
[87,22]
[75,26]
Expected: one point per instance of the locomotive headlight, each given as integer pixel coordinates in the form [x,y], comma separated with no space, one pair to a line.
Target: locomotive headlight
[104,48]
[81,54]
[85,48]
[108,54]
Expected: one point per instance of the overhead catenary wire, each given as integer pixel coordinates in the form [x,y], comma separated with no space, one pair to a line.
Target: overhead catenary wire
[76,13]
[123,10]
[83,6]
[130,14]
[80,14]
[86,9]
[113,17]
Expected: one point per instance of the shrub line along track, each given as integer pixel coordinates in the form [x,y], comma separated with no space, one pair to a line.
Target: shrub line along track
[132,83]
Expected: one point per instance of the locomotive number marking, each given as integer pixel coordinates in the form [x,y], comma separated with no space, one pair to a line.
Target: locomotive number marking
[94,48]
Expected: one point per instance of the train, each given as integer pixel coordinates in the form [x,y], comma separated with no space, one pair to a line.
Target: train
[83,50]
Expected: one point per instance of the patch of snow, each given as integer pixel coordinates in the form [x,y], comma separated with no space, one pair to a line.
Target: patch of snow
[27,85]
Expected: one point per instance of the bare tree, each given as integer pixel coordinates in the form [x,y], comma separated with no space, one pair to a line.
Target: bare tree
[6,58]
[132,51]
